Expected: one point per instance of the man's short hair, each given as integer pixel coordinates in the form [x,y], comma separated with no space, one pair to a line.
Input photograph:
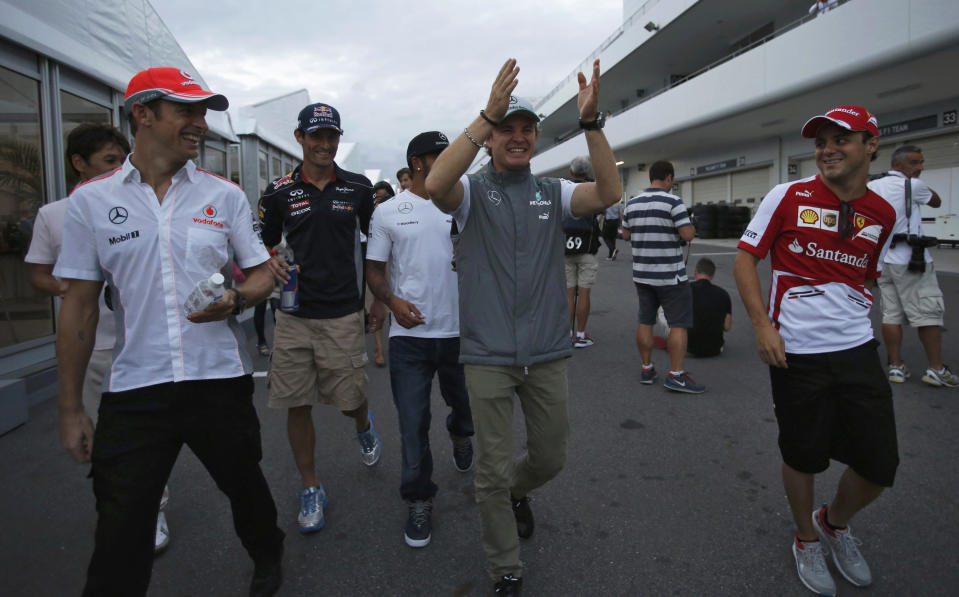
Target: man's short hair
[900,154]
[90,137]
[153,105]
[660,170]
[386,187]
[402,171]
[580,167]
[706,267]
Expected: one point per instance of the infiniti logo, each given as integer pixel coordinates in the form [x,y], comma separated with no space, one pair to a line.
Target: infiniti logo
[118,215]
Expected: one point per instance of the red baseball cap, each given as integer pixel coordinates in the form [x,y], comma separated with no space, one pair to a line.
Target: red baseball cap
[173,84]
[853,118]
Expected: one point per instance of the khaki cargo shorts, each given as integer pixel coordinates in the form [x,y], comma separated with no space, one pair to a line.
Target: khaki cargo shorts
[581,270]
[910,297]
[318,361]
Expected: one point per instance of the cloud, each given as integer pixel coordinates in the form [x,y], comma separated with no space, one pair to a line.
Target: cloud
[391,69]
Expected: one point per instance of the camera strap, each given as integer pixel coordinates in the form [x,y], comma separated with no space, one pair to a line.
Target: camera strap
[908,203]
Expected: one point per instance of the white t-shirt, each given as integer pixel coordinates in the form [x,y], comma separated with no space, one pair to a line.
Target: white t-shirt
[892,188]
[413,236]
[462,213]
[45,249]
[153,253]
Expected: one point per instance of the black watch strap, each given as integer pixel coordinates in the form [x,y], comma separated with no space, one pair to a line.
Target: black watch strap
[595,124]
[240,302]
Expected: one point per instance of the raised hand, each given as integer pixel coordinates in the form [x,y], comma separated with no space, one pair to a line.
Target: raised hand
[502,88]
[588,99]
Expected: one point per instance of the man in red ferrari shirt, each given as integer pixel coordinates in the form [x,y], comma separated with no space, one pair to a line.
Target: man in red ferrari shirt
[824,235]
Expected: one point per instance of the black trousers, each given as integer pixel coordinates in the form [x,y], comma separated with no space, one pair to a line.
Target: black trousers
[610,232]
[137,440]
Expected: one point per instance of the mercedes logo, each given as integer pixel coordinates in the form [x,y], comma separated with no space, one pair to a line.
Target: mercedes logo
[405,207]
[118,215]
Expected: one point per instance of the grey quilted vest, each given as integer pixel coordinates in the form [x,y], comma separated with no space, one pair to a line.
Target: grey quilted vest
[512,278]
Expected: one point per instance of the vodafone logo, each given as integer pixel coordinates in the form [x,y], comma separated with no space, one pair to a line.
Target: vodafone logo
[209,211]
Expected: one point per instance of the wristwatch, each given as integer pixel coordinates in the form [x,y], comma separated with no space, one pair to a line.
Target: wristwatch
[593,125]
[239,300]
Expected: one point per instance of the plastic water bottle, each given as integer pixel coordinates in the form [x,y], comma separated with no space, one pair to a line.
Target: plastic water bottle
[290,293]
[204,293]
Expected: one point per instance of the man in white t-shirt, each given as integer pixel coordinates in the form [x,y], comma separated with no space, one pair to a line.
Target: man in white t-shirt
[94,150]
[908,286]
[411,234]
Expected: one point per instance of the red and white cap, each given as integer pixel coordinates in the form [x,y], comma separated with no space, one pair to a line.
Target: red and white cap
[853,118]
[173,84]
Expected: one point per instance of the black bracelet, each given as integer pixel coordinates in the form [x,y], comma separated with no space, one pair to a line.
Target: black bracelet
[487,118]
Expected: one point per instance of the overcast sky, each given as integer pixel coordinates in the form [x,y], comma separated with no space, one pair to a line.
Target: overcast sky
[392,69]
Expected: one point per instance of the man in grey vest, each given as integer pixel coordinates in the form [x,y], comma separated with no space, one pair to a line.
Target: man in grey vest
[514,319]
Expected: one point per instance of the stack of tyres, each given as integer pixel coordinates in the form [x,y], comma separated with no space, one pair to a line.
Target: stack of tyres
[733,221]
[706,220]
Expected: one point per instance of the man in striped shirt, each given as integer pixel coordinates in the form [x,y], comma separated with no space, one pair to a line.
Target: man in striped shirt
[655,222]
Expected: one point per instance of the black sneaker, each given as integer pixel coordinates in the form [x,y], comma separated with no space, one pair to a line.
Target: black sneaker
[419,524]
[509,585]
[267,578]
[524,517]
[462,453]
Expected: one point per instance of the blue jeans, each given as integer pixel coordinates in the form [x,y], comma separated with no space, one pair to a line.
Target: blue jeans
[413,362]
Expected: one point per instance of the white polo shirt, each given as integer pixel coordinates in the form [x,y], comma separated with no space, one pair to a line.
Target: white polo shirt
[45,248]
[413,236]
[152,254]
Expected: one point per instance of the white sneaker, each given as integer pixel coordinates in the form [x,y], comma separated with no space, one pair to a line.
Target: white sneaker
[811,566]
[845,550]
[942,378]
[162,537]
[898,373]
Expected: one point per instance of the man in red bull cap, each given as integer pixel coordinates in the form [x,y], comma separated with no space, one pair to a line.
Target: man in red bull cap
[824,235]
[152,229]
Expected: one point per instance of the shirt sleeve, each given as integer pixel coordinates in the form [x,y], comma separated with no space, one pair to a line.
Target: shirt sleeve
[78,258]
[462,213]
[42,247]
[271,221]
[680,215]
[380,244]
[921,193]
[248,249]
[766,225]
[566,188]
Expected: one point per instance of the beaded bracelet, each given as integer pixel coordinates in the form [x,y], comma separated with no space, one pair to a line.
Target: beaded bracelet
[472,140]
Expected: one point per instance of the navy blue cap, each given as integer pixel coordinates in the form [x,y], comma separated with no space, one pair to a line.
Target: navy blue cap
[318,116]
[425,143]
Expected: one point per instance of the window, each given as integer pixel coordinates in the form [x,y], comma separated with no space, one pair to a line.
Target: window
[277,168]
[264,169]
[75,111]
[24,314]
[214,160]
[234,151]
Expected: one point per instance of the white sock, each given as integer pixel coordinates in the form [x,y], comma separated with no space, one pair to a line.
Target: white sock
[677,373]
[580,334]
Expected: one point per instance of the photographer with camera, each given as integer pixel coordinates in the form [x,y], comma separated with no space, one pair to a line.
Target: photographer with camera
[910,292]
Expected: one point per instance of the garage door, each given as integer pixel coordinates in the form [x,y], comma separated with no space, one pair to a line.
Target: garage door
[750,184]
[808,168]
[712,189]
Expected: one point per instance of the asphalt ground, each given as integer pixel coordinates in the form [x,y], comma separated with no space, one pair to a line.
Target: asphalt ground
[663,493]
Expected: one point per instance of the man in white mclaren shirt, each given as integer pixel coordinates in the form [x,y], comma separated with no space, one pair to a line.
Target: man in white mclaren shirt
[152,229]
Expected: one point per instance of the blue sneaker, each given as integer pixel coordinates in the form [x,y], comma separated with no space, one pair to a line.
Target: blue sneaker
[647,376]
[683,383]
[312,502]
[371,446]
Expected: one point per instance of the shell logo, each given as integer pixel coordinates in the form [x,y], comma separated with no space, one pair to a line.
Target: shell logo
[209,211]
[809,216]
[860,221]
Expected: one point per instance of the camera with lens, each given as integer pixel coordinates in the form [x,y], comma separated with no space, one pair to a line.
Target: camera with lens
[917,261]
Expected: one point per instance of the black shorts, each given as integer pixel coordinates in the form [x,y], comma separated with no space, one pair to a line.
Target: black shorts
[675,299]
[837,405]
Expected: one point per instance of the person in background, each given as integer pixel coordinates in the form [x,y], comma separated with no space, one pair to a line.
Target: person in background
[405,177]
[712,312]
